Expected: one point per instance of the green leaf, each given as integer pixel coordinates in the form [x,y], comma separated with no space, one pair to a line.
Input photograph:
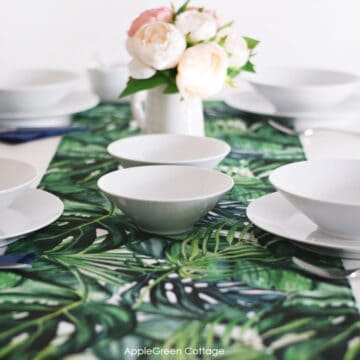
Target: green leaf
[135,85]
[170,76]
[222,41]
[234,72]
[251,43]
[8,279]
[166,77]
[182,8]
[249,67]
[227,25]
[171,88]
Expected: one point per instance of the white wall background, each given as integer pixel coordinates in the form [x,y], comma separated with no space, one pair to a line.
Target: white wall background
[66,33]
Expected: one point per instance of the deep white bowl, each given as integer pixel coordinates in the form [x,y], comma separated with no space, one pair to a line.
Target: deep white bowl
[33,89]
[326,191]
[109,81]
[165,199]
[169,149]
[15,177]
[303,89]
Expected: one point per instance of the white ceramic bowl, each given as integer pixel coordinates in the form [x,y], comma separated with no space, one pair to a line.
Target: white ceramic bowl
[109,81]
[33,89]
[326,191]
[169,149]
[15,177]
[303,89]
[165,199]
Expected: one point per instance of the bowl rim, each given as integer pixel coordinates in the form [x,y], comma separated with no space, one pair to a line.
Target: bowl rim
[310,198]
[354,81]
[71,76]
[227,149]
[26,183]
[226,188]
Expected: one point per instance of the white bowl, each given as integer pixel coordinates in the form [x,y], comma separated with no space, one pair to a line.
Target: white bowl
[169,149]
[109,81]
[15,177]
[326,191]
[33,89]
[303,89]
[165,200]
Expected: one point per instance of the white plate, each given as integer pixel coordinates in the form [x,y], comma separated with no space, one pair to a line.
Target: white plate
[326,191]
[34,210]
[252,103]
[71,104]
[166,199]
[169,149]
[56,121]
[274,214]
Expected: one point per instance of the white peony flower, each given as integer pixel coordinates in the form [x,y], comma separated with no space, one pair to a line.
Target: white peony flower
[198,26]
[138,70]
[237,48]
[202,70]
[158,45]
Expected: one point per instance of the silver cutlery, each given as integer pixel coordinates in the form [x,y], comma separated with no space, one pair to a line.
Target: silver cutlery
[333,274]
[17,261]
[14,266]
[6,242]
[6,129]
[307,132]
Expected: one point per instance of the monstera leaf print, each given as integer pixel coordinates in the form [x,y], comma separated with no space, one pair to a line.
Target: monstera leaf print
[100,286]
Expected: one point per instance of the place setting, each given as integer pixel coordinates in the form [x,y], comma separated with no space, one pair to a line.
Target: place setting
[23,209]
[307,99]
[38,103]
[315,206]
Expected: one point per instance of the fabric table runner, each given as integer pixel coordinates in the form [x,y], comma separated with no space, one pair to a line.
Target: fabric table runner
[103,289]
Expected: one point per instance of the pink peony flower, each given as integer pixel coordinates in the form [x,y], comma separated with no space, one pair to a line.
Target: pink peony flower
[207,11]
[163,14]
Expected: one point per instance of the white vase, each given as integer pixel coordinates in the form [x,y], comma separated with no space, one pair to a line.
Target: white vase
[168,113]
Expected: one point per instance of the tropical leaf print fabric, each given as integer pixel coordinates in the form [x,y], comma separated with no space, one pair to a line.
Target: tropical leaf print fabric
[103,289]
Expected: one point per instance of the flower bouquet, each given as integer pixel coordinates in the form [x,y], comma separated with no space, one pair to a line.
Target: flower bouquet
[186,50]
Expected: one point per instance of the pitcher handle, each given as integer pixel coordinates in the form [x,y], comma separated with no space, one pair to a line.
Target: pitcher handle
[137,108]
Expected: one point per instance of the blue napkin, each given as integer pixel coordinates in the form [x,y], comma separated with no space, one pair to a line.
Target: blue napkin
[23,258]
[28,134]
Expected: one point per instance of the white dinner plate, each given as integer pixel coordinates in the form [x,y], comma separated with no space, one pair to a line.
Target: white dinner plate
[253,103]
[34,210]
[48,122]
[274,214]
[71,104]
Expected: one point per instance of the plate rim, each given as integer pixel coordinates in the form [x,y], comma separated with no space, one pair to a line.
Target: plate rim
[305,116]
[30,229]
[56,111]
[254,203]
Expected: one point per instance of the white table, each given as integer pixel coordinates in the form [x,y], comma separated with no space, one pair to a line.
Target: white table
[333,144]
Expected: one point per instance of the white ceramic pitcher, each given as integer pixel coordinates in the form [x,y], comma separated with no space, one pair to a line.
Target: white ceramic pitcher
[168,113]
